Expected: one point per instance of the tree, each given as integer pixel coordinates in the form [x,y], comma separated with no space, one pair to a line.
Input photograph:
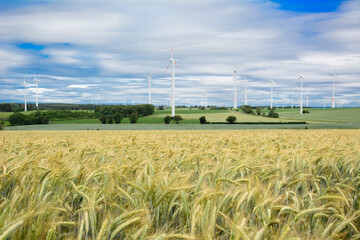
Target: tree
[110,119]
[202,120]
[258,111]
[118,118]
[5,107]
[133,117]
[231,119]
[103,119]
[167,119]
[17,118]
[247,109]
[2,125]
[177,118]
[273,114]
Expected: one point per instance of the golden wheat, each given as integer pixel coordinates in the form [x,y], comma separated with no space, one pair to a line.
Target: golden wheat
[262,184]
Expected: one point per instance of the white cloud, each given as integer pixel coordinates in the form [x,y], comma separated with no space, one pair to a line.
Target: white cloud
[105,48]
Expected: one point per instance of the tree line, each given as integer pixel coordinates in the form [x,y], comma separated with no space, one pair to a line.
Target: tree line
[115,113]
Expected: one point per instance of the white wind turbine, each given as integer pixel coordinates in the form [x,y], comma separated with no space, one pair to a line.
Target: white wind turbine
[272,84]
[149,81]
[292,99]
[25,107]
[36,81]
[173,62]
[235,98]
[301,94]
[307,101]
[245,82]
[333,89]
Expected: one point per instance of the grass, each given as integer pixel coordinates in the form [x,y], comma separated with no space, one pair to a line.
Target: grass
[324,115]
[180,185]
[196,126]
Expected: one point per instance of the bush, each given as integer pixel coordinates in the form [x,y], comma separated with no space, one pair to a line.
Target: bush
[167,119]
[231,119]
[133,117]
[306,111]
[17,118]
[258,111]
[247,109]
[2,125]
[177,118]
[202,120]
[273,114]
[118,118]
[103,119]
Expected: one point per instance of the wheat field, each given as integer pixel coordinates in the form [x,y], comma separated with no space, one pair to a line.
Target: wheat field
[249,184]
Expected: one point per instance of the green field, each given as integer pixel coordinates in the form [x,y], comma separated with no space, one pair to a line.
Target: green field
[324,115]
[318,118]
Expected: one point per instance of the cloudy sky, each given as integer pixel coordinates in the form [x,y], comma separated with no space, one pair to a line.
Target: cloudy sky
[98,51]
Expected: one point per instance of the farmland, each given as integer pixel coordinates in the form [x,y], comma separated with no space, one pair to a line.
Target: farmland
[250,184]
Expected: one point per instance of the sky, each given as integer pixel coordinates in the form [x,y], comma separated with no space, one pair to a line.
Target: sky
[98,51]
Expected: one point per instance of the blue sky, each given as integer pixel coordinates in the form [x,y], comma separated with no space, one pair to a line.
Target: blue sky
[99,51]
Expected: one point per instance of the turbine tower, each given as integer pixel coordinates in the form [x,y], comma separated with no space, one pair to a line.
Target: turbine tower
[25,107]
[149,80]
[245,78]
[307,101]
[333,89]
[36,81]
[173,62]
[272,84]
[235,98]
[301,94]
[292,99]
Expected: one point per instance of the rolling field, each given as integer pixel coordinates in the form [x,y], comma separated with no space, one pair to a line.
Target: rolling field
[324,115]
[268,184]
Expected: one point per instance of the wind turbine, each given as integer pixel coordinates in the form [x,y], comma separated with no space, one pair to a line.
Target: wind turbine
[333,89]
[283,102]
[36,81]
[25,107]
[149,80]
[173,62]
[272,84]
[301,94]
[307,101]
[235,98]
[324,102]
[292,99]
[245,81]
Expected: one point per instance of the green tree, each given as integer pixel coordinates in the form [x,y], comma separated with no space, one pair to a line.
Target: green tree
[133,117]
[258,111]
[167,119]
[177,118]
[118,118]
[103,119]
[2,125]
[202,120]
[110,119]
[17,118]
[273,114]
[231,119]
